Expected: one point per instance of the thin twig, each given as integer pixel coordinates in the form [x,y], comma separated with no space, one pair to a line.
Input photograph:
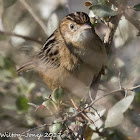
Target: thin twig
[117,90]
[136,23]
[70,131]
[78,109]
[41,126]
[33,105]
[35,128]
[112,92]
[119,76]
[37,19]
[133,88]
[21,36]
[96,131]
[90,97]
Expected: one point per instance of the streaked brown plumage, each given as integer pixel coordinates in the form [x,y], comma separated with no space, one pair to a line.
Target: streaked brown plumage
[71,57]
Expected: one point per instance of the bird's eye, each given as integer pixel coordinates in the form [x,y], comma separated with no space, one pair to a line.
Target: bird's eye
[71,26]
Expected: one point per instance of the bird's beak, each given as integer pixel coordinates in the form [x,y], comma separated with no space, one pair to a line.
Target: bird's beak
[86,27]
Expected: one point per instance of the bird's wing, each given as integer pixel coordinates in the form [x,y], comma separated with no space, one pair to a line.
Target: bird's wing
[49,56]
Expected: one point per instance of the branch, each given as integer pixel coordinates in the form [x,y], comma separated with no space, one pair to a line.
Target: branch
[21,36]
[37,19]
[133,88]
[77,108]
[41,126]
[96,131]
[112,26]
[114,91]
[135,23]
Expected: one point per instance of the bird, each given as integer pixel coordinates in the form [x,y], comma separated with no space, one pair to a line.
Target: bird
[72,57]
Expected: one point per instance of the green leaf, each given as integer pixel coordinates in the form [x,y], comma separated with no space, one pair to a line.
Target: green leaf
[58,95]
[94,1]
[138,97]
[104,2]
[101,10]
[95,114]
[56,127]
[51,106]
[137,7]
[7,64]
[115,114]
[22,103]
[94,21]
[42,111]
[8,3]
[24,87]
[47,109]
[10,107]
[5,75]
[30,87]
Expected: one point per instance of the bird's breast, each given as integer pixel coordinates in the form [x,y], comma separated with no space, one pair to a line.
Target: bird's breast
[76,75]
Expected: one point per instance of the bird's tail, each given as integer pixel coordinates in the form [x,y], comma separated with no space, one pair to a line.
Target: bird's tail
[28,66]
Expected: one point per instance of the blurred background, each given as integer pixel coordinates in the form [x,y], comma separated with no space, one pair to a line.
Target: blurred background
[16,91]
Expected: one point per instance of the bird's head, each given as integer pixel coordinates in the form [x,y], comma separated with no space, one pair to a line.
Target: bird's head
[76,28]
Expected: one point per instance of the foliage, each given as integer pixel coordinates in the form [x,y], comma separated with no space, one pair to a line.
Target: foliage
[101,10]
[137,7]
[115,114]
